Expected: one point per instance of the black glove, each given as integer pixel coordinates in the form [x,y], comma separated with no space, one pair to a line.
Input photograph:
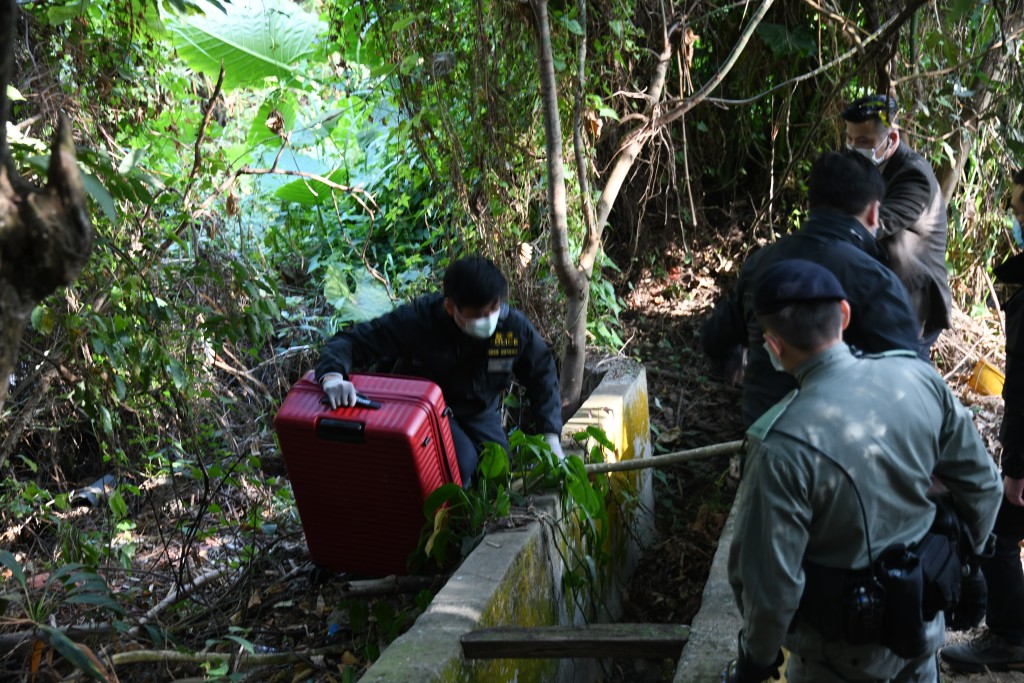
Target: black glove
[742,670]
[969,610]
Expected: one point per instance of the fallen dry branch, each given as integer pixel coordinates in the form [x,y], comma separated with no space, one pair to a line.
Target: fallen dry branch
[390,585]
[244,660]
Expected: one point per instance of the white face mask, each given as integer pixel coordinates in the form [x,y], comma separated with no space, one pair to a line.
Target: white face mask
[1017,236]
[869,152]
[482,328]
[776,363]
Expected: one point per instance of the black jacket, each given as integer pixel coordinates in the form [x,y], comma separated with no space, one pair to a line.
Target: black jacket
[472,373]
[881,317]
[1011,272]
[913,235]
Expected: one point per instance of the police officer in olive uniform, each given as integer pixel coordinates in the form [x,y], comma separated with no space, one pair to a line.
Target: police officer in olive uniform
[836,472]
[469,342]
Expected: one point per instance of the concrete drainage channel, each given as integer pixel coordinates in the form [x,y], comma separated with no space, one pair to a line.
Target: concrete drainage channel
[514,579]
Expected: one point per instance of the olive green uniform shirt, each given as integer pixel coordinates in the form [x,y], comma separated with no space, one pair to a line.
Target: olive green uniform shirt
[891,422]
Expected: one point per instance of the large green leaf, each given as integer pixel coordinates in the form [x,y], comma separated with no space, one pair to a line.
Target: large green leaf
[255,39]
[367,300]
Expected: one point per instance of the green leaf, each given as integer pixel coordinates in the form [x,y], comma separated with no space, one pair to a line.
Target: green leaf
[785,42]
[254,39]
[404,22]
[281,101]
[42,319]
[368,300]
[61,14]
[99,194]
[494,462]
[14,95]
[573,26]
[177,374]
[310,192]
[245,644]
[80,656]
[441,495]
[118,505]
[17,573]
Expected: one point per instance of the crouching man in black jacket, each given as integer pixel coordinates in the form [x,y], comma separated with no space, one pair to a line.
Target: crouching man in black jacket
[469,342]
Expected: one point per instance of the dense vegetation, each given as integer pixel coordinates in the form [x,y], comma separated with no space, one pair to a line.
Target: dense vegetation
[261,173]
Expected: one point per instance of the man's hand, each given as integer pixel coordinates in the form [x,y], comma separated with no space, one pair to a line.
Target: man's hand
[556,445]
[339,391]
[1013,489]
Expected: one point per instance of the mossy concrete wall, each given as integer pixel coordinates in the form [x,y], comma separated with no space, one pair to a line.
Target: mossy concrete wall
[514,577]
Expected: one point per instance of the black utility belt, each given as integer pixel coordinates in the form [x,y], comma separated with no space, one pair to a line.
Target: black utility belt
[888,603]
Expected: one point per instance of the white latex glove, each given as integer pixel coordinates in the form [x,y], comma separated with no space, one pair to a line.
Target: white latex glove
[556,445]
[340,392]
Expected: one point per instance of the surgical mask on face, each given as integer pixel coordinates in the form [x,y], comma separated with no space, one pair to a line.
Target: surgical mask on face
[1017,236]
[481,328]
[776,363]
[869,152]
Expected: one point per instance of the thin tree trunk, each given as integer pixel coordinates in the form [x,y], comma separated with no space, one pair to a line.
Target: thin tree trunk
[45,234]
[573,280]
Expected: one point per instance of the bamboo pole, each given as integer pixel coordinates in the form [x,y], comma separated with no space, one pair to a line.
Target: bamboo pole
[702,453]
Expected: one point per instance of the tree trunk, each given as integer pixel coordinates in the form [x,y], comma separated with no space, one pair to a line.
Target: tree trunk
[573,280]
[45,233]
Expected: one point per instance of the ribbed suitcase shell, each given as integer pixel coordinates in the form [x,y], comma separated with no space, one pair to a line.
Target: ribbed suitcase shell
[360,476]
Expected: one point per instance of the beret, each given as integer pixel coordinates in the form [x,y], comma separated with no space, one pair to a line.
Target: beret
[881,107]
[793,281]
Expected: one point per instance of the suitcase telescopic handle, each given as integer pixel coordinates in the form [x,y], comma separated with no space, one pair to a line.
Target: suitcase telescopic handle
[346,431]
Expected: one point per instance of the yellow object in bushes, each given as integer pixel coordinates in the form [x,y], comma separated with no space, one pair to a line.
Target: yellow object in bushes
[986,379]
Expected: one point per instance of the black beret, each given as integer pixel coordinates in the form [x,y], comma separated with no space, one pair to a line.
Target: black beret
[881,107]
[794,280]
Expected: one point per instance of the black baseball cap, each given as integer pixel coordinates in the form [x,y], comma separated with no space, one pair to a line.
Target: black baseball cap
[793,281]
[881,107]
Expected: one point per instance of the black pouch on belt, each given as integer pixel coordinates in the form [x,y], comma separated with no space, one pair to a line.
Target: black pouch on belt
[900,573]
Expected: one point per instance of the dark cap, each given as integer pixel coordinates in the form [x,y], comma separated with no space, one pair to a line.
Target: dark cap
[881,107]
[793,281]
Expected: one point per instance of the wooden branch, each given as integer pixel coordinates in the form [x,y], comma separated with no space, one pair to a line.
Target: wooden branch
[243,660]
[629,151]
[702,453]
[719,76]
[390,585]
[176,594]
[648,641]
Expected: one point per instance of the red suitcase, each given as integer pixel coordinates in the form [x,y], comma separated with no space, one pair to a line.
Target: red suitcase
[361,475]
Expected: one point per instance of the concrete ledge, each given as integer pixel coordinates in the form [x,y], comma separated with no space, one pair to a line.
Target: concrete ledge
[714,629]
[515,578]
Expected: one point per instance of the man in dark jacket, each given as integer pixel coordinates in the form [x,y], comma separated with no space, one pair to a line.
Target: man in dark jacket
[469,342]
[912,230]
[1001,646]
[844,191]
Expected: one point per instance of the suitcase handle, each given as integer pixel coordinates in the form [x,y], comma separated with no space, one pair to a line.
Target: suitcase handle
[346,431]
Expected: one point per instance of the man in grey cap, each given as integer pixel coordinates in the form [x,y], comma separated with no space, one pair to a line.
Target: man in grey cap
[912,230]
[836,477]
